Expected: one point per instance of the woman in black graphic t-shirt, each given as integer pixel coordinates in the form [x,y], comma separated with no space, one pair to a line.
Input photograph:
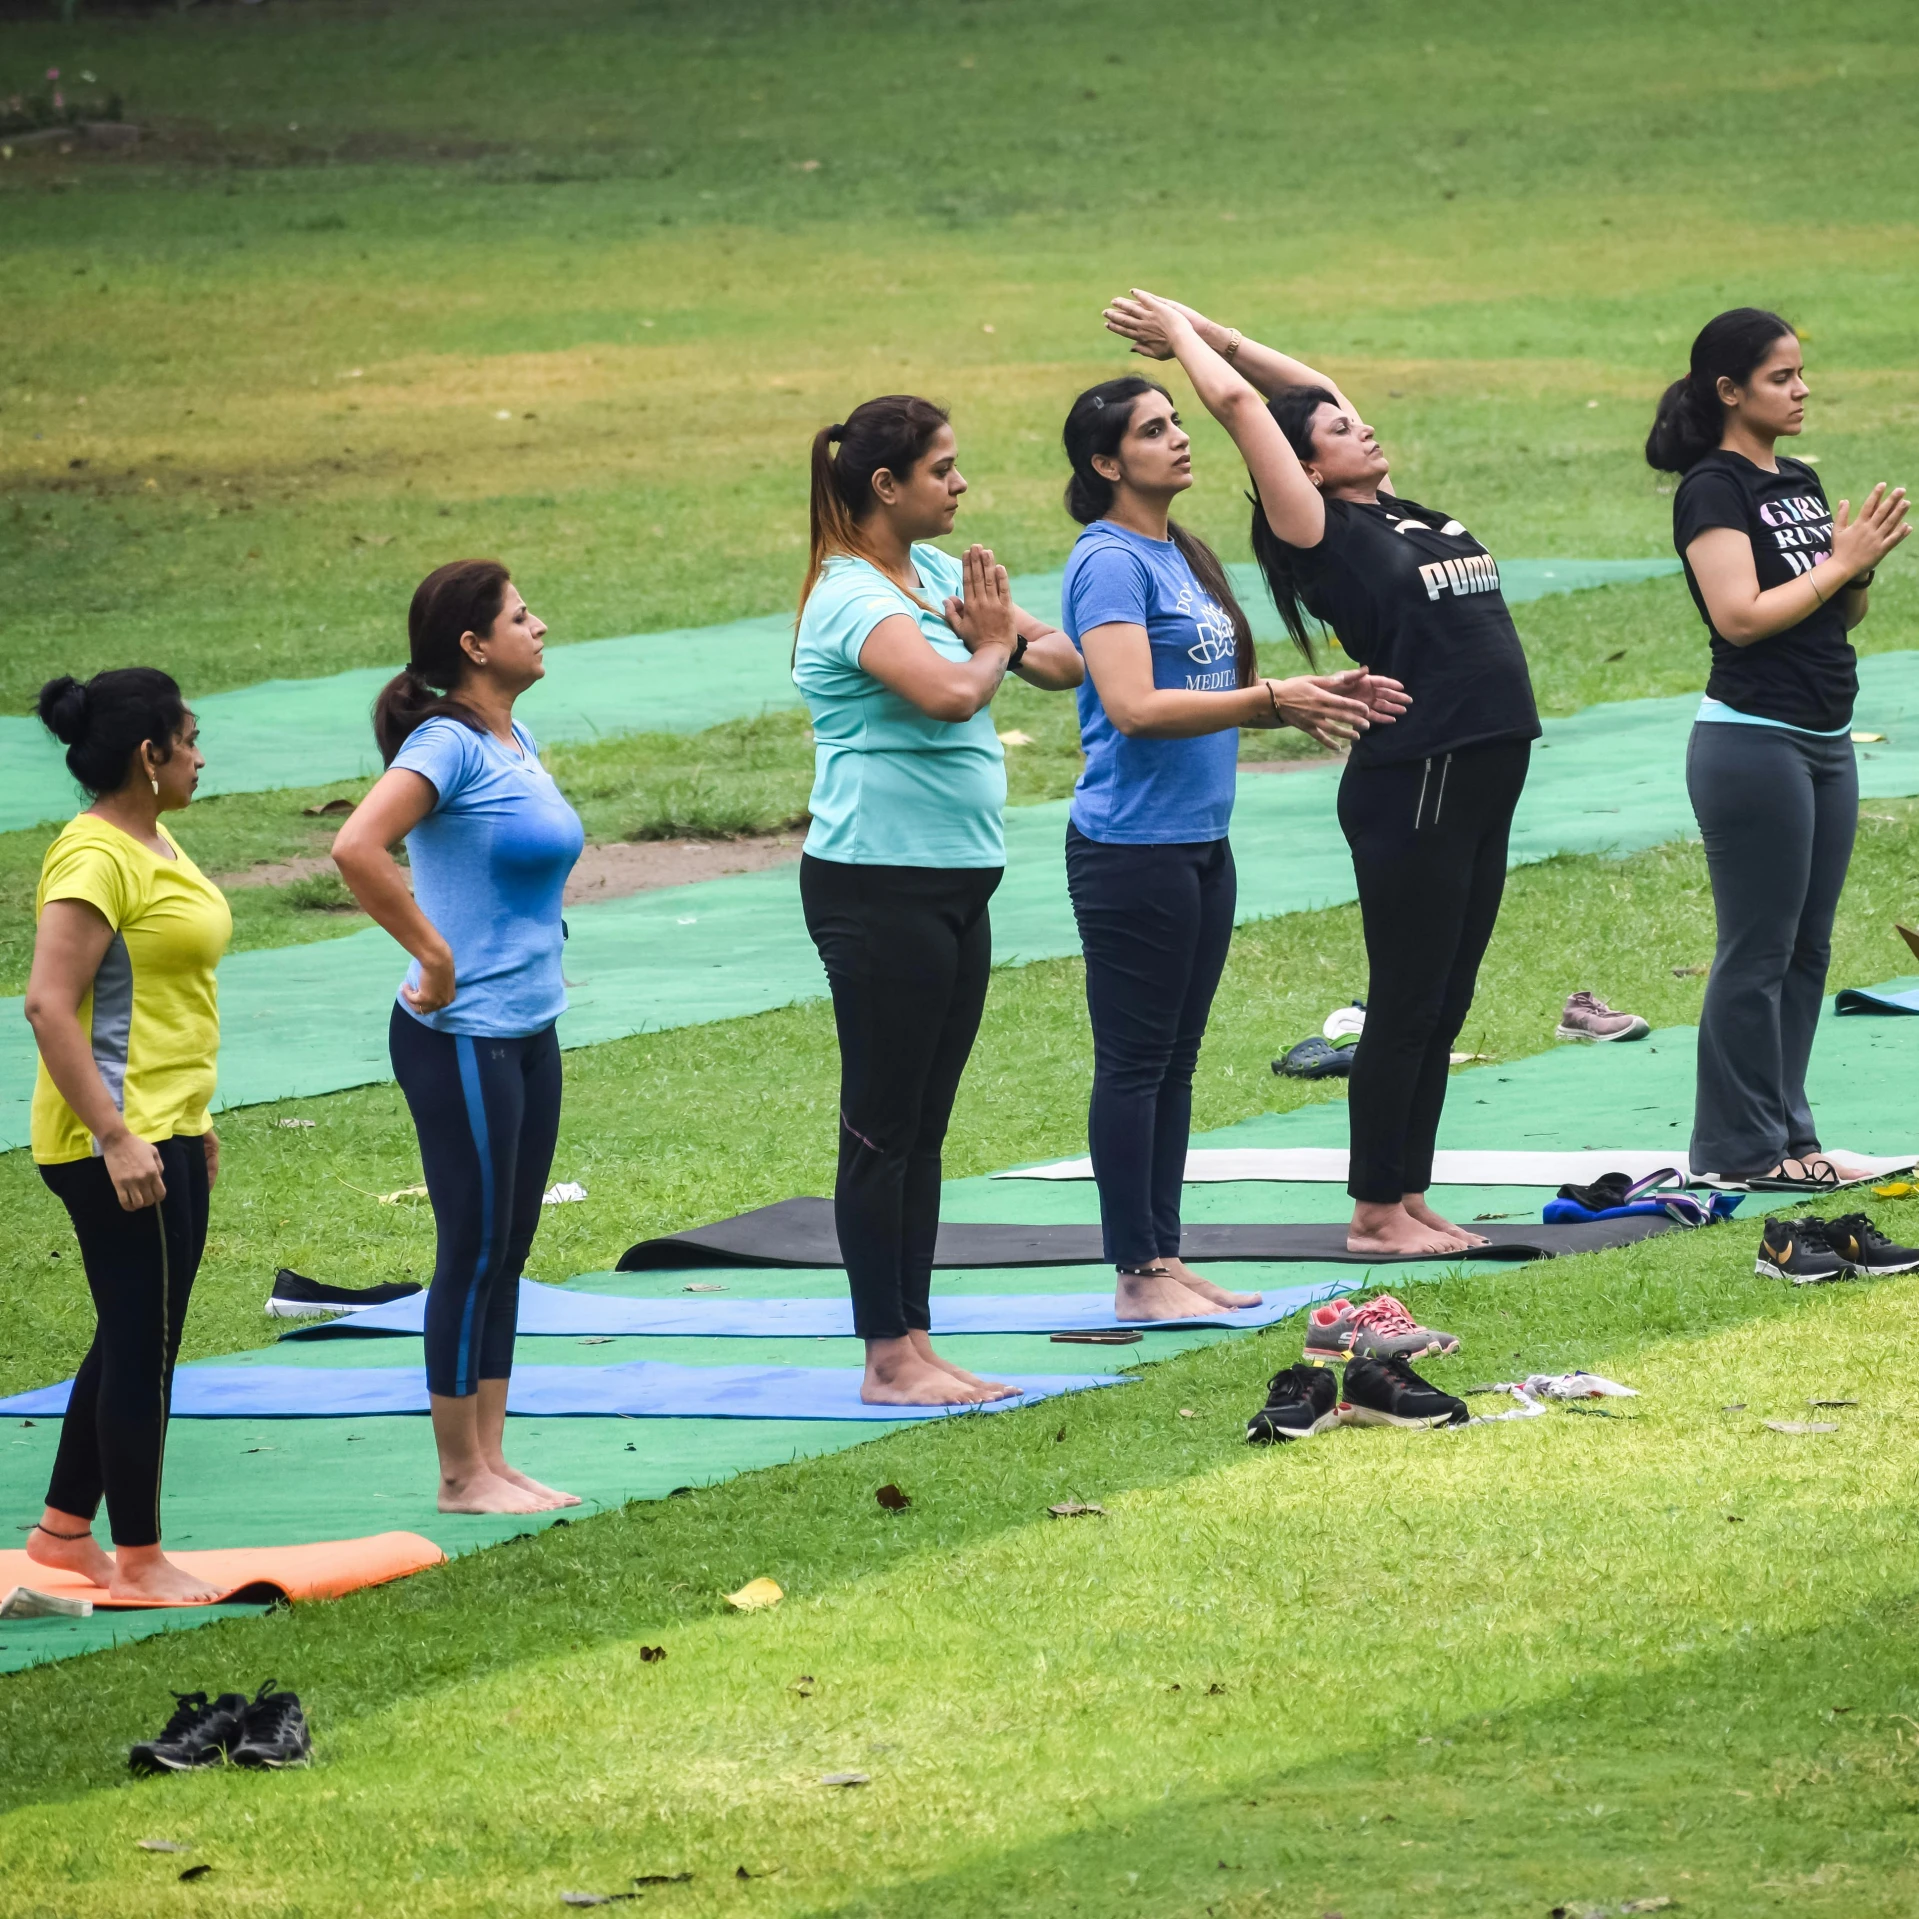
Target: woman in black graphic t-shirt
[1779,583]
[1426,803]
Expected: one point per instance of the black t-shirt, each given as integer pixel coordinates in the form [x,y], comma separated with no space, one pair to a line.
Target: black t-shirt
[1808,675]
[1412,595]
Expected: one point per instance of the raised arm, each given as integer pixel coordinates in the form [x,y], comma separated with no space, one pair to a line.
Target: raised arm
[1290,500]
[1266,367]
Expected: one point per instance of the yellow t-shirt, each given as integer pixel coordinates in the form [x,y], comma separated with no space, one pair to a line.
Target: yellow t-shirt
[153,1013]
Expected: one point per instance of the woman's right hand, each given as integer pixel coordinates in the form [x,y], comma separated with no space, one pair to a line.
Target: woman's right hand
[436,987]
[984,615]
[134,1166]
[1133,319]
[1320,708]
[1859,545]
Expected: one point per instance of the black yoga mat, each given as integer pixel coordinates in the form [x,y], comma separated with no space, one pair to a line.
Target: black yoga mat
[799,1232]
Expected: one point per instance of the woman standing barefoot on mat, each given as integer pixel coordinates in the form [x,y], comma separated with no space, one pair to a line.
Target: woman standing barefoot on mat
[124,1010]
[899,651]
[1426,807]
[1769,767]
[491,841]
[1172,676]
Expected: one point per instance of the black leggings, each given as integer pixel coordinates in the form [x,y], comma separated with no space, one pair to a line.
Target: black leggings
[140,1269]
[907,951]
[488,1113]
[1155,923]
[1429,853]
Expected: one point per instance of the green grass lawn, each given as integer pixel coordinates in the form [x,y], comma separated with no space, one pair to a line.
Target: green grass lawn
[251,391]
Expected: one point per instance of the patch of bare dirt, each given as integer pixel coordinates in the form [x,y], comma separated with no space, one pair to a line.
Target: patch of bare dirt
[610,872]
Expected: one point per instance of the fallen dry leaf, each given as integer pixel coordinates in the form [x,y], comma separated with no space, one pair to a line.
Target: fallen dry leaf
[700,1286]
[1894,1189]
[1802,1425]
[662,1878]
[803,1685]
[163,1845]
[196,1872]
[1831,1402]
[1073,1509]
[1657,1903]
[1014,737]
[892,1498]
[650,1655]
[405,1192]
[1186,1412]
[755,1596]
[327,809]
[846,1779]
[1690,972]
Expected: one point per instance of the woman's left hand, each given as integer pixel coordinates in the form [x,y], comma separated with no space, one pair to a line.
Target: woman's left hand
[1142,317]
[212,1140]
[984,617]
[1385,699]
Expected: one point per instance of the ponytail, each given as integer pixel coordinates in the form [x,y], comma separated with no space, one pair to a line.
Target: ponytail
[1691,418]
[888,434]
[1095,425]
[463,597]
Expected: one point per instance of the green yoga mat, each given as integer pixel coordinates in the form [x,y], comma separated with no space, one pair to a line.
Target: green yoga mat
[307,732]
[304,1020]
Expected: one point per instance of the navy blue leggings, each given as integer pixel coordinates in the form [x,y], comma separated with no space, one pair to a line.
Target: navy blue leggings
[488,1113]
[1155,923]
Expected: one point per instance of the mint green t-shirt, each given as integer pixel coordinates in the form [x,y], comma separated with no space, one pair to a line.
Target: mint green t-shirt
[891,786]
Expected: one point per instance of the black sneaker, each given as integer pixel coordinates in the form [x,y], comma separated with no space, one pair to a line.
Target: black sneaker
[1866,1249]
[295,1296]
[1799,1250]
[1301,1401]
[198,1734]
[275,1732]
[1387,1392]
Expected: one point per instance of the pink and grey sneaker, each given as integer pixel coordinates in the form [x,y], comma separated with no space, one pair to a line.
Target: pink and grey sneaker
[1587,1016]
[1380,1329]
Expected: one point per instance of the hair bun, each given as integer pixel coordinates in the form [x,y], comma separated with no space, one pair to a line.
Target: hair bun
[64,709]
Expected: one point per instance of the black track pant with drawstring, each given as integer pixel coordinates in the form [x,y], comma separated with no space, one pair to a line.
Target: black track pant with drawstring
[1428,839]
[140,1269]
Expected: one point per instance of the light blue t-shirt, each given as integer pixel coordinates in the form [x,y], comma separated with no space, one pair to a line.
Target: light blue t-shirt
[489,867]
[1141,792]
[891,786]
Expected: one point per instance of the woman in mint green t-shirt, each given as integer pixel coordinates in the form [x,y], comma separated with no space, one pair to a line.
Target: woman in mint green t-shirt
[899,652]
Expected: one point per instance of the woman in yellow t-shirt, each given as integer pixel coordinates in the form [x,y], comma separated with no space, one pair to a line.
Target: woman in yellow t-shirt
[124,1009]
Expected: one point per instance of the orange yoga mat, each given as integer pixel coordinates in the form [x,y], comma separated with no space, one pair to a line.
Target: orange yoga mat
[323,1570]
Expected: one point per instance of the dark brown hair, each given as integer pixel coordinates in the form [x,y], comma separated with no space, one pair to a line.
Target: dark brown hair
[105,721]
[1691,419]
[892,432]
[462,597]
[1096,425]
[1293,409]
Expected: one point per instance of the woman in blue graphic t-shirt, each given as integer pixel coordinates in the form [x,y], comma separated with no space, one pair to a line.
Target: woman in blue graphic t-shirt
[490,840]
[1171,677]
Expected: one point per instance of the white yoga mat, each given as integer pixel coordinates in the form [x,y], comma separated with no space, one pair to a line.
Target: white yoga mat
[1207,1165]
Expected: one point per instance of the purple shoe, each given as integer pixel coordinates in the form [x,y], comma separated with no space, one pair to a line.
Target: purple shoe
[1586,1016]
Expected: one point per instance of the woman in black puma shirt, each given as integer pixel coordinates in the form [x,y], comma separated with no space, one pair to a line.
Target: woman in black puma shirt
[1426,804]
[1780,583]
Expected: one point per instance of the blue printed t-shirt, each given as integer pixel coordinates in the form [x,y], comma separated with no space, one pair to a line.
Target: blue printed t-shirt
[891,785]
[1140,792]
[489,866]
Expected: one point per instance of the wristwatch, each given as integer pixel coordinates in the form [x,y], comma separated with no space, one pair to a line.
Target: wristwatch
[1018,653]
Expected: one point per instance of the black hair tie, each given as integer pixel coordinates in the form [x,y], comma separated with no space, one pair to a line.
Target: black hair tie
[836,432]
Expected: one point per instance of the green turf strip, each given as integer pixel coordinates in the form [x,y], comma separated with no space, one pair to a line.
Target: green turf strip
[281,733]
[303,1020]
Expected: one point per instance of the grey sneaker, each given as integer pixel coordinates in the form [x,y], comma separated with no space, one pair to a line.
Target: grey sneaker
[1380,1329]
[1587,1016]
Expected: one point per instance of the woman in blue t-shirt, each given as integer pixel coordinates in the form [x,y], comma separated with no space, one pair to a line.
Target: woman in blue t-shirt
[1171,677]
[899,651]
[1779,583]
[490,840]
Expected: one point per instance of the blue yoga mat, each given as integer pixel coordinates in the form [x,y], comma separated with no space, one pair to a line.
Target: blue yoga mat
[645,1389]
[1894,996]
[548,1310]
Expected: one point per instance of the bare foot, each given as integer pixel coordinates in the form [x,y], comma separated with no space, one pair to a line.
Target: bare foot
[913,1382]
[484,1492]
[550,1499]
[1216,1295]
[1156,1294]
[145,1572]
[923,1345]
[51,1544]
[1390,1232]
[1415,1207]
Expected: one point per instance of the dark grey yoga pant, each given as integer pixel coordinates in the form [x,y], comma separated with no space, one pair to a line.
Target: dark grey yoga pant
[1778,811]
